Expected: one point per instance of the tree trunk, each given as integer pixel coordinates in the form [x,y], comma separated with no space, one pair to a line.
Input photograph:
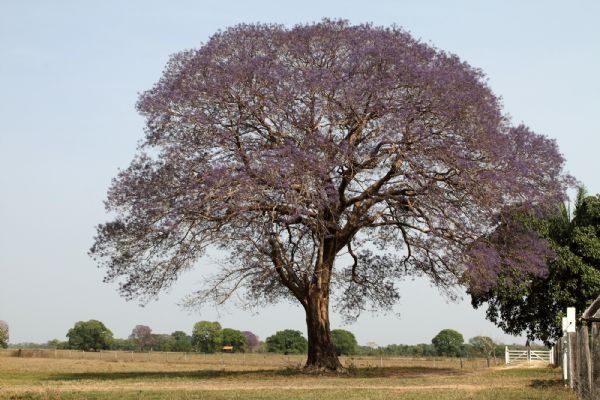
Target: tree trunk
[321,353]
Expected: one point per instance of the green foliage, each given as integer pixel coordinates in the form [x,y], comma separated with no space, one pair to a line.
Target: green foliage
[483,345]
[235,338]
[344,342]
[448,343]
[181,341]
[206,336]
[535,305]
[287,341]
[56,344]
[90,335]
[123,345]
[3,335]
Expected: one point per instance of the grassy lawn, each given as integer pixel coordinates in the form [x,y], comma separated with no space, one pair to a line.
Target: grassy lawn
[31,378]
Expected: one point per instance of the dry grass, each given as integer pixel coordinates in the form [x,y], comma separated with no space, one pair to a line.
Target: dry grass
[47,378]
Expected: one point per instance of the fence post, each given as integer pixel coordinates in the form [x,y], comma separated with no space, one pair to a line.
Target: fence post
[572,359]
[596,360]
[585,362]
[506,356]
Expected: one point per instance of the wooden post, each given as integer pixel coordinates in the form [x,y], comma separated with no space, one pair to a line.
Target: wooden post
[596,360]
[585,363]
[573,360]
[506,355]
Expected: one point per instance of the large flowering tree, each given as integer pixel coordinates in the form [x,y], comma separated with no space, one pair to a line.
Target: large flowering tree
[289,148]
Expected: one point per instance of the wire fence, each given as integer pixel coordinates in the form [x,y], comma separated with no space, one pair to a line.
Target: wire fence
[579,357]
[251,361]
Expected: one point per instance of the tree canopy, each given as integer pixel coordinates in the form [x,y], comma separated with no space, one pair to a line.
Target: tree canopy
[519,301]
[90,335]
[141,337]
[292,147]
[448,343]
[234,338]
[3,334]
[287,341]
[206,336]
[344,342]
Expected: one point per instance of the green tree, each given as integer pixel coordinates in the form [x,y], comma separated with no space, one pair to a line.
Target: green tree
[122,344]
[206,336]
[57,344]
[90,335]
[287,341]
[535,304]
[448,343]
[162,342]
[235,338]
[181,341]
[3,335]
[344,342]
[484,345]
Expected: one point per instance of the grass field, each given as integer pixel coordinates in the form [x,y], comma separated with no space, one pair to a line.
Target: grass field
[63,378]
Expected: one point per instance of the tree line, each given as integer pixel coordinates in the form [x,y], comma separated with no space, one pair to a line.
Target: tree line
[211,337]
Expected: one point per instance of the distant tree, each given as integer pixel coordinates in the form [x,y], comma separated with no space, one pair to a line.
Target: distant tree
[141,337]
[123,345]
[206,336]
[252,340]
[235,338]
[484,345]
[90,335]
[288,147]
[287,341]
[162,342]
[448,343]
[57,344]
[344,342]
[518,301]
[4,337]
[181,341]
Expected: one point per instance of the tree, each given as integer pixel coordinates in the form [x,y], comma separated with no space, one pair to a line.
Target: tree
[122,344]
[484,345]
[90,335]
[448,343]
[162,342]
[4,337]
[534,303]
[206,336]
[292,147]
[344,342]
[287,341]
[252,340]
[235,338]
[141,337]
[181,342]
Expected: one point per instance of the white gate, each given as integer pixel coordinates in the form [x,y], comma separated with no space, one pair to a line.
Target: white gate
[519,356]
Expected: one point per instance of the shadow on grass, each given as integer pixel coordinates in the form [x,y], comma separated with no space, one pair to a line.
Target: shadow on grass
[373,372]
[546,383]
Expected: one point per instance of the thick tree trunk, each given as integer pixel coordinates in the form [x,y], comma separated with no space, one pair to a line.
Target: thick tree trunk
[321,353]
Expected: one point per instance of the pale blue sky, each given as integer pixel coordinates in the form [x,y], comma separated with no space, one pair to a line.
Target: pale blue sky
[70,72]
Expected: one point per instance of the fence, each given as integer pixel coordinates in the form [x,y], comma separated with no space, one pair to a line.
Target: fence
[248,361]
[579,351]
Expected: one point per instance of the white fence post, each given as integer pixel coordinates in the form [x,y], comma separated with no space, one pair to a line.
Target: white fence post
[506,356]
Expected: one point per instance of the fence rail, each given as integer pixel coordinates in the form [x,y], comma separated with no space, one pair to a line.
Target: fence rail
[528,355]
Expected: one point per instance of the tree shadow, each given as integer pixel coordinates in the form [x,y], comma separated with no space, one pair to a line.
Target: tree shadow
[368,372]
[546,383]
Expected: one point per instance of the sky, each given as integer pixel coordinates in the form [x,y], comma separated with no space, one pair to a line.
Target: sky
[70,74]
